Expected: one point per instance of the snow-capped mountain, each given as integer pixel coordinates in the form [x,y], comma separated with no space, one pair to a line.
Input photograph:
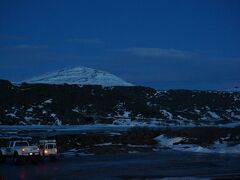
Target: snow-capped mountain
[81,76]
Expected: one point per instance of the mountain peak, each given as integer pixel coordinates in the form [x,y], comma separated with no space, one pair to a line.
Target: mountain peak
[81,76]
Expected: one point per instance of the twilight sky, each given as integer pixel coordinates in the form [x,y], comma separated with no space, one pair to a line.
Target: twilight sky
[192,44]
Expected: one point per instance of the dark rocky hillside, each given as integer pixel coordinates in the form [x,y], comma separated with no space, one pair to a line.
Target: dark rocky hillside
[73,104]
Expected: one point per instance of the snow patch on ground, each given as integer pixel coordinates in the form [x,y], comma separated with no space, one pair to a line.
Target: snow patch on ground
[114,134]
[28,118]
[122,122]
[53,115]
[76,109]
[181,118]
[11,114]
[197,111]
[168,142]
[58,122]
[40,106]
[213,115]
[126,114]
[30,109]
[49,101]
[233,115]
[175,144]
[167,114]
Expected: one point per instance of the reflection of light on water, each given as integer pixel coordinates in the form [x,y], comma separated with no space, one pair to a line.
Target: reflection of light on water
[42,169]
[23,173]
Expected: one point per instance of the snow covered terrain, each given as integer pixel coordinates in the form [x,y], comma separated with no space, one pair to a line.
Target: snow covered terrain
[177,143]
[50,104]
[81,76]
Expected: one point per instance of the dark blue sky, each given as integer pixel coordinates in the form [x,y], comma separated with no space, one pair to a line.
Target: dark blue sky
[159,43]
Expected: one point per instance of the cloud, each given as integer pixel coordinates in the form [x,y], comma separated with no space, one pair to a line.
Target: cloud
[85,41]
[157,52]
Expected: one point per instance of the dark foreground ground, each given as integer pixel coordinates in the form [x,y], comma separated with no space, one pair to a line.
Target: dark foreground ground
[153,165]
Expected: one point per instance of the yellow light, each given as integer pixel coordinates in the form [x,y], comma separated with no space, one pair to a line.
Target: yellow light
[30,154]
[46,151]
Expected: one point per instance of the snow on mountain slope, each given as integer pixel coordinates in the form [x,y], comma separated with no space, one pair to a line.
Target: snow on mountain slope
[80,75]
